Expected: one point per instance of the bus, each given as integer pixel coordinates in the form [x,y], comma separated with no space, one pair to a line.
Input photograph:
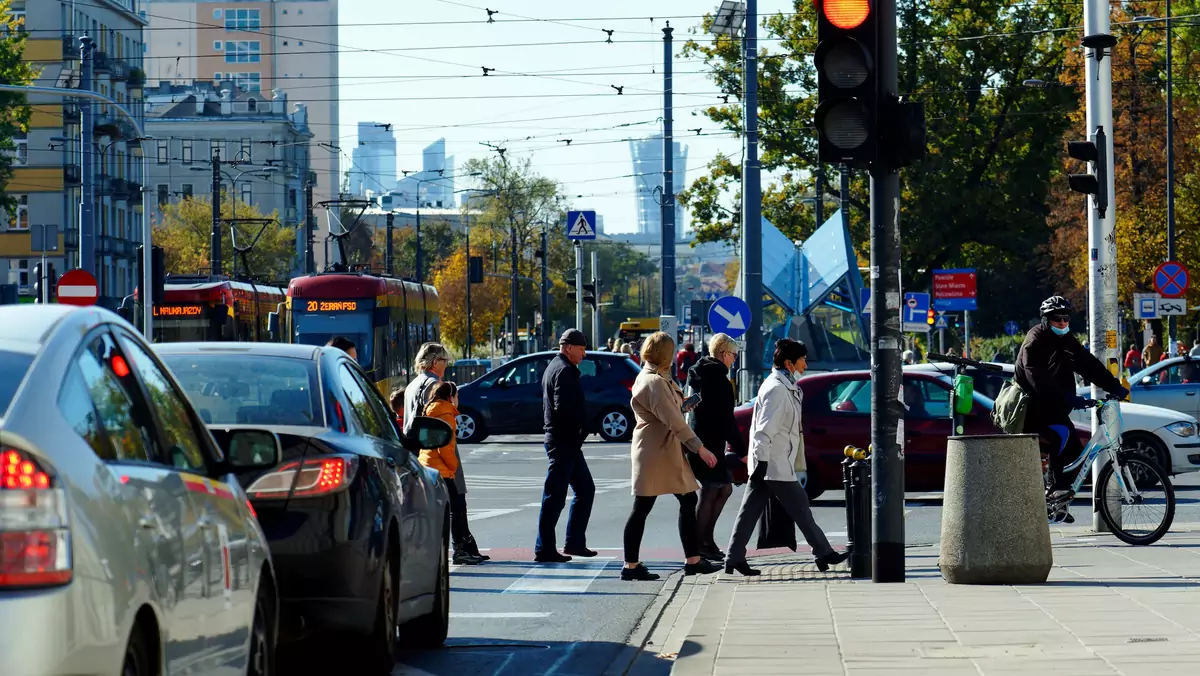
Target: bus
[208,309]
[387,319]
[633,331]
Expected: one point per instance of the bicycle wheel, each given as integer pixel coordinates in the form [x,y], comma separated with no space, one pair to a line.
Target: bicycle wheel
[1144,519]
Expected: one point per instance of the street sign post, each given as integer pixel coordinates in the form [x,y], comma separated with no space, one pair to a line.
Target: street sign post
[1145,306]
[1171,279]
[581,225]
[78,287]
[729,315]
[916,310]
[1012,328]
[954,290]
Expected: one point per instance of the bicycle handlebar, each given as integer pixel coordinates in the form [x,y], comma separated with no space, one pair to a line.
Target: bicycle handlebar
[1093,403]
[963,361]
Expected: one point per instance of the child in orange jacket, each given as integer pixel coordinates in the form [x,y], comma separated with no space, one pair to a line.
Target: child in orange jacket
[443,405]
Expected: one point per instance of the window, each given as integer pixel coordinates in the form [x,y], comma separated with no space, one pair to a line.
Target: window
[217,45]
[926,399]
[19,17]
[20,152]
[247,193]
[1183,373]
[186,151]
[242,19]
[243,51]
[216,14]
[528,372]
[75,404]
[23,272]
[164,195]
[164,152]
[252,105]
[360,407]
[115,401]
[247,151]
[20,219]
[184,447]
[186,191]
[850,396]
[380,409]
[230,389]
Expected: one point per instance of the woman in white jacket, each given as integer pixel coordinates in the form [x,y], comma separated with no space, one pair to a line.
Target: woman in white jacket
[776,456]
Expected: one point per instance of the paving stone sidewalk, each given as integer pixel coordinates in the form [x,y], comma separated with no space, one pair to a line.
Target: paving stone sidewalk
[1108,608]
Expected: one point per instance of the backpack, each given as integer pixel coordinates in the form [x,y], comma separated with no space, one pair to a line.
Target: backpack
[1012,404]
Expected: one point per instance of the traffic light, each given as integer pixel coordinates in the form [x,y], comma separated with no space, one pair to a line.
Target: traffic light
[1095,183]
[571,288]
[929,317]
[847,91]
[158,273]
[38,283]
[51,284]
[475,270]
[589,294]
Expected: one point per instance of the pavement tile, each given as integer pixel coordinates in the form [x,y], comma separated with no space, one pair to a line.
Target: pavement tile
[804,653]
[914,668]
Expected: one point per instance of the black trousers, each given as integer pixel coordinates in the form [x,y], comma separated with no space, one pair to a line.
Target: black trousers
[460,532]
[1061,442]
[689,535]
[713,497]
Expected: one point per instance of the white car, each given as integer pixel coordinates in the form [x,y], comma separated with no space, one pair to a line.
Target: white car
[1169,437]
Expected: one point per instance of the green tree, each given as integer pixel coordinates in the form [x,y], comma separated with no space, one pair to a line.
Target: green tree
[184,234]
[14,111]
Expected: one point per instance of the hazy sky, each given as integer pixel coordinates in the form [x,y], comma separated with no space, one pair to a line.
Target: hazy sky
[427,80]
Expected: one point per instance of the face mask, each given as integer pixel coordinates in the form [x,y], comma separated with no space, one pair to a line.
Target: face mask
[1061,332]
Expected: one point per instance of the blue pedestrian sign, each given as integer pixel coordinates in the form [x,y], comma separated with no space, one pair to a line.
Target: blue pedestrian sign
[729,315]
[865,296]
[1012,328]
[581,225]
[940,322]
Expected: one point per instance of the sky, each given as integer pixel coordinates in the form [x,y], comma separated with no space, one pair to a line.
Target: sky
[423,61]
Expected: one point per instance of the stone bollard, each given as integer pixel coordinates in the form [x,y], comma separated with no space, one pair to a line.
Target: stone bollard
[994,528]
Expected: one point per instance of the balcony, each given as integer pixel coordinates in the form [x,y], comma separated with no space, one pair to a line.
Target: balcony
[119,70]
[71,114]
[107,124]
[70,48]
[72,176]
[137,78]
[118,188]
[134,190]
[102,62]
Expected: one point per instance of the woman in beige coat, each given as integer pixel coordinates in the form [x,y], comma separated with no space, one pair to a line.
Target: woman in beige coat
[659,466]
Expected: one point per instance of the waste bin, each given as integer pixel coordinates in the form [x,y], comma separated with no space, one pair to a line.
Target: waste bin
[994,528]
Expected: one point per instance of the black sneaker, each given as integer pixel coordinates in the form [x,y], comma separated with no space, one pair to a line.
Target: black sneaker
[466,559]
[582,552]
[638,574]
[550,557]
[701,567]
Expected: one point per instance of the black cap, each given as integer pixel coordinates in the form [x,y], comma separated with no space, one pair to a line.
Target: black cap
[573,337]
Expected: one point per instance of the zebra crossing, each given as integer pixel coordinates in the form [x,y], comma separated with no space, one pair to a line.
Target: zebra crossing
[495,482]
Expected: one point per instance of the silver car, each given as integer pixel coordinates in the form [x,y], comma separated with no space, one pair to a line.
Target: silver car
[1173,383]
[126,544]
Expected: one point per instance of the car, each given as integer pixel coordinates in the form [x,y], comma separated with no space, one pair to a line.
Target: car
[1167,436]
[837,413]
[1173,383]
[508,400]
[127,545]
[357,527]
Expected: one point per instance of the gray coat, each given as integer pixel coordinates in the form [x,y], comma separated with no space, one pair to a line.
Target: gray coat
[415,397]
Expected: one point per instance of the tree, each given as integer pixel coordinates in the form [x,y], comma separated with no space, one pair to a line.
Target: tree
[184,235]
[489,300]
[14,111]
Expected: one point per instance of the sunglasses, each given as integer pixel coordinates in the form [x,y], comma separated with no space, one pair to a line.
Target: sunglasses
[1060,318]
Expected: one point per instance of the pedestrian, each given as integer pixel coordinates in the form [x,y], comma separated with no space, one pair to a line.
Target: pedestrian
[608,345]
[628,350]
[714,424]
[1133,358]
[443,405]
[564,420]
[1195,348]
[430,365]
[1046,366]
[659,468]
[908,358]
[684,361]
[345,345]
[777,463]
[1153,352]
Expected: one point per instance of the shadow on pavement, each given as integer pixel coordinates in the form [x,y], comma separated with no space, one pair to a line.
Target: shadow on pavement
[488,657]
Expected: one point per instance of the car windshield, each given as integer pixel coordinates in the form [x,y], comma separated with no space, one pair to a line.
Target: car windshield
[13,366]
[249,389]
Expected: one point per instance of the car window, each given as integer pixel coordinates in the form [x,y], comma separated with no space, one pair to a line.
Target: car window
[184,446]
[360,408]
[926,399]
[13,366]
[527,372]
[1183,373]
[247,389]
[378,407]
[850,396]
[75,404]
[591,368]
[117,403]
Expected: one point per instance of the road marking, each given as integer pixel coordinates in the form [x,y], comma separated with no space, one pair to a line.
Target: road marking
[532,504]
[836,534]
[574,577]
[493,482]
[498,616]
[481,514]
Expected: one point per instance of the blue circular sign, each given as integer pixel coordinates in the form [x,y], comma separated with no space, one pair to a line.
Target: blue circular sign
[729,315]
[1171,279]
[1011,328]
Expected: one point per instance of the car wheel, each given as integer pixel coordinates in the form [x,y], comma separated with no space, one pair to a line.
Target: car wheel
[429,631]
[615,425]
[469,427]
[137,655]
[1150,448]
[262,640]
[382,644]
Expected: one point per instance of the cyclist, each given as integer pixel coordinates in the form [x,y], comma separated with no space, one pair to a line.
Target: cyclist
[1046,367]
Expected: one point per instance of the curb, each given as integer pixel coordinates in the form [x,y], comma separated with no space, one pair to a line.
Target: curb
[628,655]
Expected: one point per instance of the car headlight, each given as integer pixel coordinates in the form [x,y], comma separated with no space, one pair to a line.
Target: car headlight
[1182,429]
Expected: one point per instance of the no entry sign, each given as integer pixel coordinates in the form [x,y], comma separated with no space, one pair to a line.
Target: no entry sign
[1171,279]
[78,287]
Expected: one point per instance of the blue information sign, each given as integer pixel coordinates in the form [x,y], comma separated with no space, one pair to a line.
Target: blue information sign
[729,315]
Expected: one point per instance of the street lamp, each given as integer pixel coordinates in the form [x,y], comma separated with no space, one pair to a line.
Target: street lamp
[260,172]
[440,177]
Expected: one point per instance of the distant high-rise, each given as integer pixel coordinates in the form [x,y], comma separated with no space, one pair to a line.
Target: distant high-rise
[433,186]
[647,156]
[373,162]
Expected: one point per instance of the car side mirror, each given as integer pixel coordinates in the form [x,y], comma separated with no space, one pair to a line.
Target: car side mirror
[273,325]
[1147,380]
[249,449]
[427,432]
[503,383]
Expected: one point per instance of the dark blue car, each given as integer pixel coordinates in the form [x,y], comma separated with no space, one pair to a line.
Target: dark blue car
[508,400]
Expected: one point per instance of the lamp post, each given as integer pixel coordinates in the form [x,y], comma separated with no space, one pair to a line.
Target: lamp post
[217,172]
[420,203]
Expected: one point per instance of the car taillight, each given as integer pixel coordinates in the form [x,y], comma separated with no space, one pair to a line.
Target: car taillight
[35,539]
[627,384]
[315,476]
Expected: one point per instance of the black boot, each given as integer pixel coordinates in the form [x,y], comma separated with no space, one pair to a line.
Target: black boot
[741,567]
[473,548]
[831,559]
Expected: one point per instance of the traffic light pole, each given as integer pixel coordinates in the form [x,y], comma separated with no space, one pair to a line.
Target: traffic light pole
[668,196]
[887,458]
[310,231]
[214,243]
[544,329]
[579,287]
[751,270]
[596,302]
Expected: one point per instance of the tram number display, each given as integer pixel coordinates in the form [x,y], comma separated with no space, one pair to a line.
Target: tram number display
[331,306]
[178,310]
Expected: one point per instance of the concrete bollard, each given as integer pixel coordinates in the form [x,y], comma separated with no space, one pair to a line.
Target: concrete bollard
[994,528]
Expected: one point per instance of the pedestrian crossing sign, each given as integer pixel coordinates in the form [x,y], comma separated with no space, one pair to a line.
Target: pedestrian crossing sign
[581,225]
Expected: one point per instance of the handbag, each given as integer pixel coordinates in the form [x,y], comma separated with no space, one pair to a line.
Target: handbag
[1010,409]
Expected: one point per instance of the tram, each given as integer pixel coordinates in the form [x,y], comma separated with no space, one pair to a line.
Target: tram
[207,309]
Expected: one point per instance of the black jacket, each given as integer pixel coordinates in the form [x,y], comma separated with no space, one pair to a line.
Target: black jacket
[713,421]
[1046,368]
[563,415]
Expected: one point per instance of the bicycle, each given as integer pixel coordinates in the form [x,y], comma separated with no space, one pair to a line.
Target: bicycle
[1129,483]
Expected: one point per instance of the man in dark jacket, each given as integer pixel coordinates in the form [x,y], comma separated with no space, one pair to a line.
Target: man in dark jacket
[1046,367]
[565,422]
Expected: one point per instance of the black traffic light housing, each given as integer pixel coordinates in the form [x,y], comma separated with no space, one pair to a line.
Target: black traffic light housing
[475,270]
[1095,183]
[589,292]
[158,273]
[930,319]
[847,87]
[38,283]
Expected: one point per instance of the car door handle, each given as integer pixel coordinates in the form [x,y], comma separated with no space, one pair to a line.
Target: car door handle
[1190,394]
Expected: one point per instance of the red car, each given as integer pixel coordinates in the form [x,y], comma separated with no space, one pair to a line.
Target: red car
[837,413]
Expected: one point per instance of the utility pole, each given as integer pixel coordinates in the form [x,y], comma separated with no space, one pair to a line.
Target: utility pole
[596,304]
[87,202]
[467,231]
[751,269]
[887,459]
[668,197]
[515,289]
[310,227]
[579,285]
[543,330]
[388,259]
[1170,173]
[214,267]
[420,279]
[819,205]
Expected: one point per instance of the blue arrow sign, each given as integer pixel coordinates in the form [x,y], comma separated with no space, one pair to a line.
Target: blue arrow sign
[729,315]
[581,225]
[1012,328]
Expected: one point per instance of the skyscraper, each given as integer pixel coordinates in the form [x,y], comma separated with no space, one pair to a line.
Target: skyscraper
[647,157]
[373,162]
[433,186]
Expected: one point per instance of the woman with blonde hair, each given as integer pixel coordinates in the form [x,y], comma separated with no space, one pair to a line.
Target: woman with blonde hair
[659,467]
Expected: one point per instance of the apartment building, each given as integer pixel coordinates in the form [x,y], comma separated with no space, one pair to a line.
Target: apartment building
[269,143]
[47,176]
[260,46]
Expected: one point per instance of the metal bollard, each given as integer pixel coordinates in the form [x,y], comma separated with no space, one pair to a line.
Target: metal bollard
[849,452]
[859,502]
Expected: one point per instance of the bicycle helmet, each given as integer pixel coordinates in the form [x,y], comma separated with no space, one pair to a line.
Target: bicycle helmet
[1056,305]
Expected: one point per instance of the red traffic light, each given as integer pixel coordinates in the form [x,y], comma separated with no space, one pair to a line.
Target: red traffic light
[846,14]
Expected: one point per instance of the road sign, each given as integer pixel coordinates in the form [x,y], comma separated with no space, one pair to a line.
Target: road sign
[699,312]
[729,315]
[581,225]
[1171,279]
[687,315]
[916,311]
[43,238]
[941,322]
[865,296]
[1012,328]
[1145,305]
[1172,307]
[78,287]
[954,290]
